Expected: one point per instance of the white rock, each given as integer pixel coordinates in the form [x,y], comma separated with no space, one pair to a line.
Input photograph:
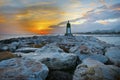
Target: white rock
[98,57]
[53,57]
[50,48]
[26,49]
[91,63]
[94,70]
[22,69]
[113,54]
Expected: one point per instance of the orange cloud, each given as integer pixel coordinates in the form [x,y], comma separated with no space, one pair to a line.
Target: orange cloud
[41,26]
[93,4]
[103,22]
[1,2]
[38,20]
[116,8]
[2,19]
[33,20]
[84,14]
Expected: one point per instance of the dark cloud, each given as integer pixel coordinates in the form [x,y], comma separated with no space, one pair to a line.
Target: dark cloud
[53,15]
[116,5]
[73,20]
[103,13]
[100,13]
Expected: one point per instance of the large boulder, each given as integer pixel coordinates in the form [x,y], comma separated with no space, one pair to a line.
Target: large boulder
[113,54]
[95,70]
[53,57]
[22,69]
[59,61]
[84,52]
[98,57]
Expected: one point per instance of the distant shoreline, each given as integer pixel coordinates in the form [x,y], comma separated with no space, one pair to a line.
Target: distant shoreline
[98,33]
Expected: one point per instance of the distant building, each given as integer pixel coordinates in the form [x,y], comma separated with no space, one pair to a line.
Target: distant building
[68,30]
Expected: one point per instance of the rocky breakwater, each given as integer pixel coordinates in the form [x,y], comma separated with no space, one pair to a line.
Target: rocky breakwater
[88,47]
[95,59]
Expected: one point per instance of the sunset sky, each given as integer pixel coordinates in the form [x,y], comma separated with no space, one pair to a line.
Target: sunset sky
[50,16]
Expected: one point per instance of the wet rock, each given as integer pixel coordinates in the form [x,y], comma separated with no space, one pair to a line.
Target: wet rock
[98,57]
[22,69]
[95,70]
[60,61]
[53,57]
[113,54]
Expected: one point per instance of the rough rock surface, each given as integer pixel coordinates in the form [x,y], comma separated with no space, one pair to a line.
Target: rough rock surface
[113,54]
[95,70]
[84,52]
[53,57]
[60,53]
[22,69]
[98,57]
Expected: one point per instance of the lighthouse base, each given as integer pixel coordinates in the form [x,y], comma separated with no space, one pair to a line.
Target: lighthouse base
[68,34]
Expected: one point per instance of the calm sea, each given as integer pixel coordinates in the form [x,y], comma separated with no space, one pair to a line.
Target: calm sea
[111,39]
[8,36]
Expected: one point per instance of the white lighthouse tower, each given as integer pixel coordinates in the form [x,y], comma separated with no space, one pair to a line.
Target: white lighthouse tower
[68,30]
